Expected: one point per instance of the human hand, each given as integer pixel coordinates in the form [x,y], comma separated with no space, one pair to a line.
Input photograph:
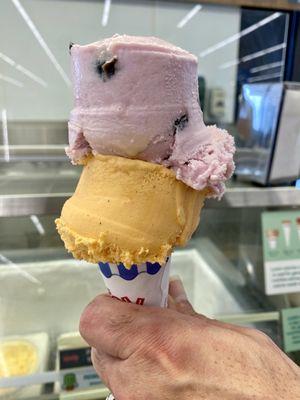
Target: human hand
[151,353]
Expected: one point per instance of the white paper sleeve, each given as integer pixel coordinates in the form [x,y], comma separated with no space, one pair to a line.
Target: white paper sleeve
[146,284]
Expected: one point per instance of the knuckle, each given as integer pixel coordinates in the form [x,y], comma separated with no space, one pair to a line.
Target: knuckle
[99,365]
[91,319]
[84,324]
[121,326]
[92,309]
[96,360]
[105,371]
[152,336]
[120,321]
[124,319]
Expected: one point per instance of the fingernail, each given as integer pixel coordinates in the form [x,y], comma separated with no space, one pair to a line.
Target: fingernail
[170,300]
[175,278]
[177,290]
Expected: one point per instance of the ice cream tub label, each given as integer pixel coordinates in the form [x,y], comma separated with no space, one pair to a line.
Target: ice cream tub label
[76,370]
[290,318]
[281,249]
[144,284]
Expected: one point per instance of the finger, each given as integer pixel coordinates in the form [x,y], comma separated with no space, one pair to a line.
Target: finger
[179,300]
[106,366]
[171,303]
[111,326]
[114,373]
[176,289]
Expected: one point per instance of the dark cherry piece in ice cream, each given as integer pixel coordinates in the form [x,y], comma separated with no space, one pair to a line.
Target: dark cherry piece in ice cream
[106,69]
[70,46]
[181,123]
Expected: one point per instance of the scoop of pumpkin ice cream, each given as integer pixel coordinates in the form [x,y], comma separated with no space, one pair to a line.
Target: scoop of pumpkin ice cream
[128,211]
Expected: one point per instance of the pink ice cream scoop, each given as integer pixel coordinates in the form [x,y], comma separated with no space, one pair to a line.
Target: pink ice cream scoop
[137,97]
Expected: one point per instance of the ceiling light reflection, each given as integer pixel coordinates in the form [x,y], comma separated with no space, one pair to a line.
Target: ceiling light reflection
[11,80]
[22,69]
[106,9]
[31,75]
[20,271]
[266,66]
[37,223]
[7,59]
[5,134]
[236,36]
[252,56]
[264,77]
[189,16]
[41,41]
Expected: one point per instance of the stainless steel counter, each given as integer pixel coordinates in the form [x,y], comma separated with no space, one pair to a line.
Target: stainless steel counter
[51,203]
[239,197]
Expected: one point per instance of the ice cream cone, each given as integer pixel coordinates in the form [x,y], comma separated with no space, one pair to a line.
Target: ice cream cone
[149,162]
[272,235]
[286,226]
[145,284]
[130,214]
[128,211]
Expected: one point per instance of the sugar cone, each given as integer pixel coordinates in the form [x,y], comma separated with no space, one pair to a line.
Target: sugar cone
[128,211]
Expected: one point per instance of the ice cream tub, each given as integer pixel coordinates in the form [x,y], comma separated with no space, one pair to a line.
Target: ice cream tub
[287,227]
[272,235]
[144,284]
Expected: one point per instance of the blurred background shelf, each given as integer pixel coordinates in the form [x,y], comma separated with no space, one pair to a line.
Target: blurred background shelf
[238,197]
[51,203]
[33,152]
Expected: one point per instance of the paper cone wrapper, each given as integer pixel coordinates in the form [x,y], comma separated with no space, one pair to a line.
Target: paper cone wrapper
[145,284]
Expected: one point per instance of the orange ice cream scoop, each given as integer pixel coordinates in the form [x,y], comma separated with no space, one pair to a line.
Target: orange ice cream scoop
[128,211]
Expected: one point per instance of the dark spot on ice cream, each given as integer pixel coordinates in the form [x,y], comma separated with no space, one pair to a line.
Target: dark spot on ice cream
[106,68]
[70,46]
[180,123]
[187,163]
[109,67]
[99,68]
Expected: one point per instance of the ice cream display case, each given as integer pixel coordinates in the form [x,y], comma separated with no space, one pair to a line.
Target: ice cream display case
[241,264]
[222,270]
[266,113]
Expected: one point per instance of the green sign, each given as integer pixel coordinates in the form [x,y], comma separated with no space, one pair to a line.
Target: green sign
[281,249]
[291,329]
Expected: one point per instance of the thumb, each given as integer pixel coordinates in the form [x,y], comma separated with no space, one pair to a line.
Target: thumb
[111,326]
[178,298]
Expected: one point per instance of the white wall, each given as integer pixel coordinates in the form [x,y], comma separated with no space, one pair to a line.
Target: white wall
[62,21]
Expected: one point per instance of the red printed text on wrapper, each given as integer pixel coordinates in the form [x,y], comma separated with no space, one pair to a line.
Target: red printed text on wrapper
[140,300]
